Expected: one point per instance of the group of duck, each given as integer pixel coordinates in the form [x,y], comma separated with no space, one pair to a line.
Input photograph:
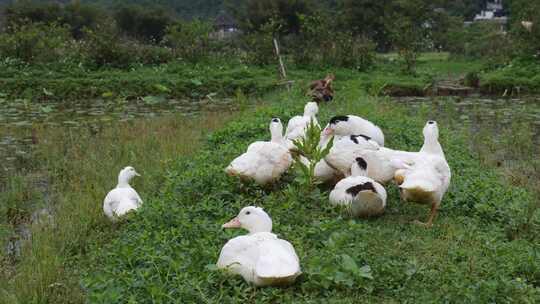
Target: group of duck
[357,163]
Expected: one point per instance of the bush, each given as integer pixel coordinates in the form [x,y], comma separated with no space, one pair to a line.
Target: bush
[481,40]
[75,15]
[104,47]
[321,43]
[189,40]
[258,48]
[143,23]
[35,42]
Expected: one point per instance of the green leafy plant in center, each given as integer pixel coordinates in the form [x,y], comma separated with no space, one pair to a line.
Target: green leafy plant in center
[307,154]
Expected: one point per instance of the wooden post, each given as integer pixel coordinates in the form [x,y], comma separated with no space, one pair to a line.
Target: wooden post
[282,70]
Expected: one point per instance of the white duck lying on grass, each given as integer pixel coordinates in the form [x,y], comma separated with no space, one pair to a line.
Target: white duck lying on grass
[354,125]
[260,257]
[362,195]
[264,161]
[426,179]
[297,126]
[345,150]
[123,198]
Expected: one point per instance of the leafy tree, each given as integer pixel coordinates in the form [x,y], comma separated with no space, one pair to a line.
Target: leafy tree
[74,15]
[34,42]
[145,23]
[527,40]
[254,14]
[366,18]
[408,22]
[189,40]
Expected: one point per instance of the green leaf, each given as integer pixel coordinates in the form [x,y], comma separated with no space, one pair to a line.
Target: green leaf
[162,88]
[365,272]
[196,82]
[47,92]
[151,100]
[348,263]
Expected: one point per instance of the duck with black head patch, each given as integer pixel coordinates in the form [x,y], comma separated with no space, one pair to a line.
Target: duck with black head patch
[362,195]
[345,150]
[345,125]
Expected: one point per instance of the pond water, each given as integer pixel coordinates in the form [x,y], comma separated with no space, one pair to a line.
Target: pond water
[482,115]
[18,117]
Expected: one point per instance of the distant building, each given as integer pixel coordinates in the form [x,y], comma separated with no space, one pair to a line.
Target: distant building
[224,26]
[494,13]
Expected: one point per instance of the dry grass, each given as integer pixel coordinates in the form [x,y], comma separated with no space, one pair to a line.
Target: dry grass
[79,167]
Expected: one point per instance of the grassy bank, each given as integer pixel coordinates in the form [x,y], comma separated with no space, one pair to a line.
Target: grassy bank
[175,80]
[167,251]
[74,169]
[185,80]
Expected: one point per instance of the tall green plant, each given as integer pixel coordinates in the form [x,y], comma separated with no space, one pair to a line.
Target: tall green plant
[309,153]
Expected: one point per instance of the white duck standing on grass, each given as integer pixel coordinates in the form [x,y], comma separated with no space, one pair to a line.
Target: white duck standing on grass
[426,179]
[264,161]
[353,125]
[123,198]
[362,195]
[260,257]
[297,126]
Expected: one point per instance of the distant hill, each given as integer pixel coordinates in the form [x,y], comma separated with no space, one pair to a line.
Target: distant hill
[187,9]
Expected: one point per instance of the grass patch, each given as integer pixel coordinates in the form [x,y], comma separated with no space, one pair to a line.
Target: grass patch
[165,253]
[76,168]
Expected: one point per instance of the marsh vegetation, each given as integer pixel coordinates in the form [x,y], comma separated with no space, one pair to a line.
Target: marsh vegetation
[84,92]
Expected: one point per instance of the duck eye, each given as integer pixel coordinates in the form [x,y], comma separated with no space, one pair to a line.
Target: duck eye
[248,212]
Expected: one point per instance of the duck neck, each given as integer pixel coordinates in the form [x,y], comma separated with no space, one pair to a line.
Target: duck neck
[123,182]
[261,227]
[432,145]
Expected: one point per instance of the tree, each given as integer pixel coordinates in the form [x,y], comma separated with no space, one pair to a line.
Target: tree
[254,14]
[145,23]
[366,18]
[409,23]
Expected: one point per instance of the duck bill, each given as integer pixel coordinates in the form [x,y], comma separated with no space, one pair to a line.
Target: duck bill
[328,131]
[234,223]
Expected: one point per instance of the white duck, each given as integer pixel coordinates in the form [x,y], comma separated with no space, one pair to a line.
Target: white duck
[346,149]
[263,161]
[123,198]
[364,196]
[352,125]
[296,128]
[384,162]
[426,179]
[260,257]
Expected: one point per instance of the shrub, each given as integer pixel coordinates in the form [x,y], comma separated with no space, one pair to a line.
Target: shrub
[189,40]
[320,42]
[35,42]
[104,47]
[75,15]
[145,23]
[481,40]
[258,48]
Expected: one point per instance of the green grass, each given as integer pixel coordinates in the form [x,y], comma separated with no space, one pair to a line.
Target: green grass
[185,80]
[513,79]
[165,253]
[79,166]
[175,80]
